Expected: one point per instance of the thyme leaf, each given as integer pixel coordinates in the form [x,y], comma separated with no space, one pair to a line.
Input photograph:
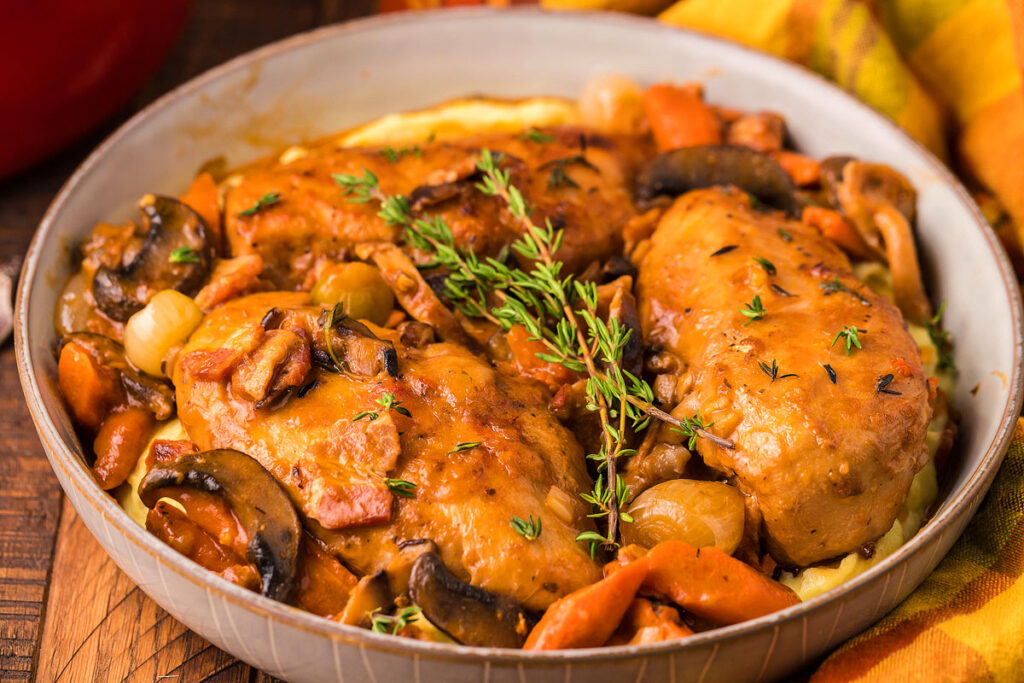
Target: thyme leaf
[527,528]
[269,199]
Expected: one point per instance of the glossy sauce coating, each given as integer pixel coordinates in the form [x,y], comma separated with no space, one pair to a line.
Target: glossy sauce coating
[315,219]
[464,499]
[827,464]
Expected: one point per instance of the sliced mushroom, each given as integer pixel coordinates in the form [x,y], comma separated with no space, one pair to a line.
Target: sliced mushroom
[469,614]
[154,394]
[689,168]
[339,343]
[348,345]
[860,189]
[177,254]
[256,498]
[371,594]
[881,204]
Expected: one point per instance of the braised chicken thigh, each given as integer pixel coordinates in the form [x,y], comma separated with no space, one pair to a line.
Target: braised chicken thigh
[335,467]
[827,441]
[581,181]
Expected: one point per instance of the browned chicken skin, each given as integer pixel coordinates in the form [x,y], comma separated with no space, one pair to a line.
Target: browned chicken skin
[587,189]
[828,463]
[334,467]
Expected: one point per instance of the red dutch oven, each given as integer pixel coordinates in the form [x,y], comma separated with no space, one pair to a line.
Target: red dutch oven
[68,64]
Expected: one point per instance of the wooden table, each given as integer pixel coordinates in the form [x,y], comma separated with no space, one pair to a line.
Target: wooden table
[66,612]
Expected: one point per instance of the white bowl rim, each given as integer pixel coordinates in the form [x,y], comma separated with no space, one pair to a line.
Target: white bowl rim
[61,454]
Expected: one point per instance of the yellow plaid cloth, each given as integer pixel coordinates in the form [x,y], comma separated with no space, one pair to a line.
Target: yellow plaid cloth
[949,72]
[966,621]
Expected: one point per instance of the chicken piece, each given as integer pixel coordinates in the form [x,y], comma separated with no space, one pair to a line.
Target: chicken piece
[334,466]
[582,181]
[827,441]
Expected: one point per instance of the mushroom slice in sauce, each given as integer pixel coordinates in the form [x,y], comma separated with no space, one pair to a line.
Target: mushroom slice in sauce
[350,346]
[259,502]
[177,254]
[469,614]
[689,168]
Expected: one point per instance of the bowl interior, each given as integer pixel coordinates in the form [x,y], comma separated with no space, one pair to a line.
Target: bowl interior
[319,83]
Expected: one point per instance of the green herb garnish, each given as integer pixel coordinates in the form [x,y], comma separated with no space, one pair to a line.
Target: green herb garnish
[754,310]
[184,255]
[537,136]
[768,266]
[401,487]
[940,338]
[527,528]
[388,623]
[465,446]
[269,199]
[772,370]
[849,335]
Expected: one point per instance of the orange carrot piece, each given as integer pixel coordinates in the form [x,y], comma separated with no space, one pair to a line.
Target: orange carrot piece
[324,584]
[119,445]
[588,617]
[203,198]
[645,623]
[712,584]
[803,170]
[89,389]
[834,226]
[680,118]
[174,528]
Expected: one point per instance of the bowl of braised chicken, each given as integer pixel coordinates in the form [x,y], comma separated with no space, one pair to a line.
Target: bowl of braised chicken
[516,346]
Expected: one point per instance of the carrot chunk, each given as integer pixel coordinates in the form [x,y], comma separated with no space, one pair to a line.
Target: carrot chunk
[203,198]
[711,584]
[119,445]
[89,389]
[680,118]
[803,170]
[589,616]
[834,226]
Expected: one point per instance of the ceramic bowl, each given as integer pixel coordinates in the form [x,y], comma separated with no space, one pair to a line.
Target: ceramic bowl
[332,78]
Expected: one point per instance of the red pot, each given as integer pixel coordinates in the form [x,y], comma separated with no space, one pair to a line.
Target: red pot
[68,64]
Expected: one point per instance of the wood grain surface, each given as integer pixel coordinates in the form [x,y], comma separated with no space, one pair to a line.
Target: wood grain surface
[66,612]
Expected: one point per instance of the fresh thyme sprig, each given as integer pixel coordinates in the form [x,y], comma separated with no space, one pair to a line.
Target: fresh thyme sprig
[387,402]
[527,528]
[183,254]
[401,487]
[836,285]
[555,309]
[772,370]
[693,427]
[754,310]
[393,623]
[849,336]
[768,266]
[269,199]
[538,136]
[940,338]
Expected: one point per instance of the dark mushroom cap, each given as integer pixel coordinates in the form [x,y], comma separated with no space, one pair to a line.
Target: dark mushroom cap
[257,499]
[171,228]
[689,168]
[468,614]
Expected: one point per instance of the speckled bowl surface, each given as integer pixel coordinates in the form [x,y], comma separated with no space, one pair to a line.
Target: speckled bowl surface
[335,77]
